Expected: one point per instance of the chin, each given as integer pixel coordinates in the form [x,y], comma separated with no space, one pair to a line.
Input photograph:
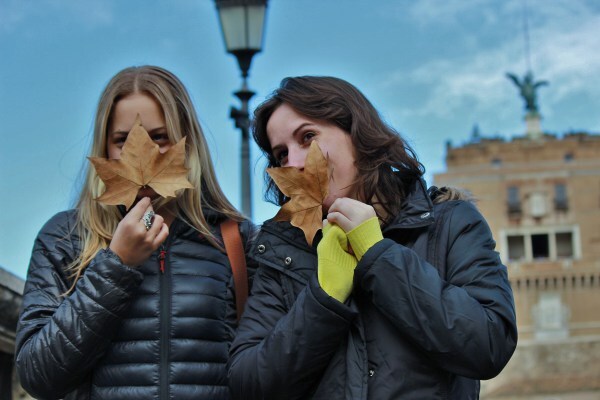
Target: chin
[326,205]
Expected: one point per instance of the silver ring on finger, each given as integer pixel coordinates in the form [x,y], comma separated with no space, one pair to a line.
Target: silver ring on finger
[148,219]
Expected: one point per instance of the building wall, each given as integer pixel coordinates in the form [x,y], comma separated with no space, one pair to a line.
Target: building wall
[11,295]
[552,250]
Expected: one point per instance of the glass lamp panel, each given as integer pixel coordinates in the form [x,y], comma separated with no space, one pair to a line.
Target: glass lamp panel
[242,27]
[233,25]
[256,19]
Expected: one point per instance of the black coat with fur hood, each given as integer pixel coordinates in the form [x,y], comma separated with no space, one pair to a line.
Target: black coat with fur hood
[423,321]
[127,333]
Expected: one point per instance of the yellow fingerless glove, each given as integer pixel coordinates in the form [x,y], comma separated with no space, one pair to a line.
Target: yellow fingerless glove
[336,266]
[364,236]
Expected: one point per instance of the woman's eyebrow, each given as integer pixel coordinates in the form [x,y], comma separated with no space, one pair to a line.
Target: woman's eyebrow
[300,127]
[160,128]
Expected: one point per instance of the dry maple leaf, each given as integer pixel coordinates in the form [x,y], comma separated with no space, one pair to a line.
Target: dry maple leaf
[141,164]
[306,189]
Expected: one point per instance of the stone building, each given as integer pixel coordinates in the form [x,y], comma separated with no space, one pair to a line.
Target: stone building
[11,295]
[541,196]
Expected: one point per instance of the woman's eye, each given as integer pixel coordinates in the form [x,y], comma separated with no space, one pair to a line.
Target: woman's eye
[119,140]
[308,136]
[281,157]
[161,138]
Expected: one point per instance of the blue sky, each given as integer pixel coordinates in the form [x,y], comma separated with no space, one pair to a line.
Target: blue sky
[434,69]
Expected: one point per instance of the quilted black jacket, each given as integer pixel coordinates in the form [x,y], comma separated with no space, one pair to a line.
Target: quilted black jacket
[127,333]
[405,333]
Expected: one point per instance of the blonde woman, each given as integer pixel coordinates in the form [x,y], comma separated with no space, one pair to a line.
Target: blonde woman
[119,306]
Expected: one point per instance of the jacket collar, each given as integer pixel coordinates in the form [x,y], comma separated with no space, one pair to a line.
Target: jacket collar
[289,233]
[181,227]
[416,210]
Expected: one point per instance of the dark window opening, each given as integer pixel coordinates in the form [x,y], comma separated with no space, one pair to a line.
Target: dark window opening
[540,246]
[514,202]
[560,197]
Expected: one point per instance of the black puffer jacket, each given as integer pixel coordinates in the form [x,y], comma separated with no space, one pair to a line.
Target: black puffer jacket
[405,333]
[127,333]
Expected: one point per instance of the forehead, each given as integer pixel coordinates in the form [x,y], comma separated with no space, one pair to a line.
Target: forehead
[126,110]
[284,117]
[284,121]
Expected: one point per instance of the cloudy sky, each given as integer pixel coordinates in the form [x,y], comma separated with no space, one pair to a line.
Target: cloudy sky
[434,69]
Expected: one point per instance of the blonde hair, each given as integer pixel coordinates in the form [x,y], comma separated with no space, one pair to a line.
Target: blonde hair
[97,222]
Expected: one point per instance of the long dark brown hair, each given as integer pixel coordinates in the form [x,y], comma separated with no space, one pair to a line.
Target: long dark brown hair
[386,164]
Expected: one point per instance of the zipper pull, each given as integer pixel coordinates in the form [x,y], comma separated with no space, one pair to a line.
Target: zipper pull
[161,259]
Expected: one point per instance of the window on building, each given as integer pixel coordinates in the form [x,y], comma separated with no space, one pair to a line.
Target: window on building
[516,247]
[564,245]
[540,246]
[560,197]
[514,201]
[527,246]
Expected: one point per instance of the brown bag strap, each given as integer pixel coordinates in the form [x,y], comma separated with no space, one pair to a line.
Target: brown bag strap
[235,251]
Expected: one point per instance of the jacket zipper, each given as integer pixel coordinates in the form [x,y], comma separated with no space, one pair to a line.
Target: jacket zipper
[161,258]
[165,319]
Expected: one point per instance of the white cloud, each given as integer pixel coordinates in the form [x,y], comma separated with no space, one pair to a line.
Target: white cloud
[565,38]
[571,59]
[452,84]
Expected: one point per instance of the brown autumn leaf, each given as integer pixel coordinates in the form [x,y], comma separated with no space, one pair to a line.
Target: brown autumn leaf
[141,164]
[306,189]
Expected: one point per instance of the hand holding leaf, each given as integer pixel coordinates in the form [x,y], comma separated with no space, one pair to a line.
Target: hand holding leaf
[141,164]
[306,189]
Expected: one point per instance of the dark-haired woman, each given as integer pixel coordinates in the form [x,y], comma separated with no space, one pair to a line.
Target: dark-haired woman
[402,296]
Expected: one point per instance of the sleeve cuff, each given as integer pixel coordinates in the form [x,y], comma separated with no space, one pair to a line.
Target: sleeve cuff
[364,236]
[329,302]
[109,265]
[365,264]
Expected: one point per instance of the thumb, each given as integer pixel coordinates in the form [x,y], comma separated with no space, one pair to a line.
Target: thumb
[326,227]
[339,235]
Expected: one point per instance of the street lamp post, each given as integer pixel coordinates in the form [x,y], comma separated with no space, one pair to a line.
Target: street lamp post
[242,24]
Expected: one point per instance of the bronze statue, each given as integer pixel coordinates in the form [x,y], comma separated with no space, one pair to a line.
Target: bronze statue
[528,89]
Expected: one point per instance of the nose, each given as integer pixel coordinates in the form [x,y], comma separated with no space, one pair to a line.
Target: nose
[296,158]
[164,148]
